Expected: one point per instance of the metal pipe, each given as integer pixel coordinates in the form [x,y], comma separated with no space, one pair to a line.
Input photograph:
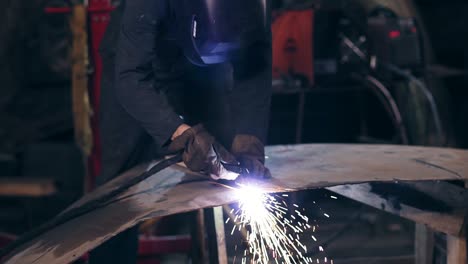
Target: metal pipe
[391,106]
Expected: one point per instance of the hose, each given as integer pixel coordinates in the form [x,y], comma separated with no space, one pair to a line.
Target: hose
[430,98]
[388,102]
[392,107]
[412,79]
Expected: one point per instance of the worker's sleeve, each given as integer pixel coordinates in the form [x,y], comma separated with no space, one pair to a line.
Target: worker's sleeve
[135,81]
[251,95]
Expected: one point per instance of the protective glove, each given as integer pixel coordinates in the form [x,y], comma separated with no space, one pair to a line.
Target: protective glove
[250,152]
[201,153]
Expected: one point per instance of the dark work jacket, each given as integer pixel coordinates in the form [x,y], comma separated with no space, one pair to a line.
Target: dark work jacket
[149,86]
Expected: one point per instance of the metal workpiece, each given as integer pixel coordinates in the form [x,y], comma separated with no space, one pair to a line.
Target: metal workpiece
[175,190]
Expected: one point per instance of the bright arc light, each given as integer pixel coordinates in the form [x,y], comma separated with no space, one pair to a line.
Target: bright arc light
[252,201]
[273,233]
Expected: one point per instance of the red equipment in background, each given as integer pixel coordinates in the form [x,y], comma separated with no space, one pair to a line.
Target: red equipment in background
[98,22]
[293,45]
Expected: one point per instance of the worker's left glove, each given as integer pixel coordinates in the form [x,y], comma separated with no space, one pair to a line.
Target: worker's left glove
[250,152]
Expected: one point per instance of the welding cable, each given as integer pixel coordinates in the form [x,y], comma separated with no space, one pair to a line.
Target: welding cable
[393,107]
[389,104]
[430,98]
[91,205]
[381,92]
[427,93]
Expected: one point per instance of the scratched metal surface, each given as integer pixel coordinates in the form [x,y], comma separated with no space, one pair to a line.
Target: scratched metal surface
[294,168]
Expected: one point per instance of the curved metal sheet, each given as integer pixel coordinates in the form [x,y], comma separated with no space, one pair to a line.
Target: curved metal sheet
[175,190]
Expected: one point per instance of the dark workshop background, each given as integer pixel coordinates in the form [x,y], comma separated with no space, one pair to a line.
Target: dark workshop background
[345,101]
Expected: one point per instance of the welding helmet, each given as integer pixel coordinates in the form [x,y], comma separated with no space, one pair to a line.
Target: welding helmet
[212,31]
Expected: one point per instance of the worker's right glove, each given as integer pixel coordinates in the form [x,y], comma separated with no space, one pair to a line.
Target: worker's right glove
[250,152]
[201,153]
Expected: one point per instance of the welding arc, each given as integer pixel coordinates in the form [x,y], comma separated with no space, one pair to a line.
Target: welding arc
[90,206]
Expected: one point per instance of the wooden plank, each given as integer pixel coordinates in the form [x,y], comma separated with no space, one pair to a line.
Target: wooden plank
[27,187]
[201,248]
[81,105]
[175,190]
[210,236]
[423,245]
[80,96]
[449,223]
[456,250]
[220,235]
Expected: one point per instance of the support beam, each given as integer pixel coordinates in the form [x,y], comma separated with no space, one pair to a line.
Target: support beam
[443,222]
[199,248]
[79,81]
[423,245]
[220,235]
[215,236]
[456,250]
[450,194]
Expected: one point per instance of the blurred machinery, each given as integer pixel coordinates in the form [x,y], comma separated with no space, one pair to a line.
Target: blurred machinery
[293,46]
[337,47]
[394,40]
[315,41]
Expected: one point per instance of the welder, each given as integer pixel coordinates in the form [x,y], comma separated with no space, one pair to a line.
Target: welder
[187,76]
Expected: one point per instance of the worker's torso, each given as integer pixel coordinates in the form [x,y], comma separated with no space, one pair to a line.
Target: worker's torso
[199,94]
